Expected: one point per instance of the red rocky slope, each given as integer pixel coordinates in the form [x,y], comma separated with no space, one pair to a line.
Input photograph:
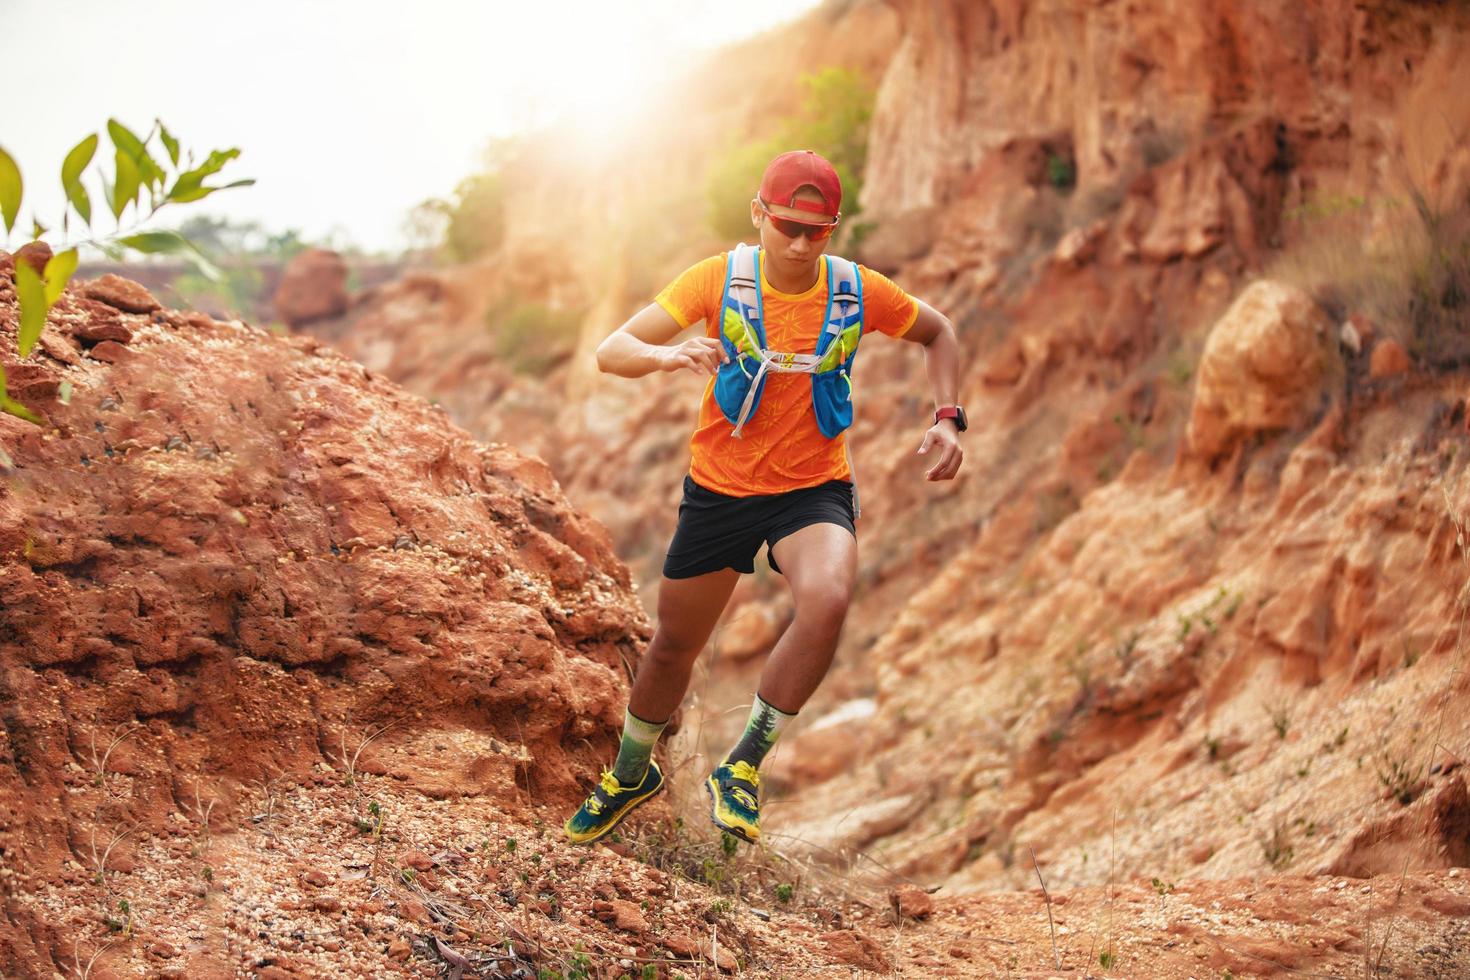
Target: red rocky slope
[229,557]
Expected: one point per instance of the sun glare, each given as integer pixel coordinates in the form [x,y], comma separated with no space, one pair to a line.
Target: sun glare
[592,99]
[427,87]
[604,77]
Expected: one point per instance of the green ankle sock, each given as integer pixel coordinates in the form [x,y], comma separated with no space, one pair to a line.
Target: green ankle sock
[639,738]
[761,731]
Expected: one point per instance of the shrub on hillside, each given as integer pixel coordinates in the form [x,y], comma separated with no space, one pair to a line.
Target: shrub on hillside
[476,218]
[471,221]
[532,337]
[1404,265]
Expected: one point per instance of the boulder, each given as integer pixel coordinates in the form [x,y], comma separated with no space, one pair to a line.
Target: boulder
[313,287]
[121,294]
[1262,369]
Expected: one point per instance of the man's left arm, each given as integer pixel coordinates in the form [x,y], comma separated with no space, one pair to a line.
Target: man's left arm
[933,330]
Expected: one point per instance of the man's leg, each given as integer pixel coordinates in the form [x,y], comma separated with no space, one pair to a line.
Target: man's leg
[688,609]
[820,564]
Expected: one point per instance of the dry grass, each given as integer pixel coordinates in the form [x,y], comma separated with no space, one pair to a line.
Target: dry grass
[348,764]
[1405,264]
[99,762]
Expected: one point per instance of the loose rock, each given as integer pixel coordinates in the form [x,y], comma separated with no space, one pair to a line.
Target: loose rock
[120,293]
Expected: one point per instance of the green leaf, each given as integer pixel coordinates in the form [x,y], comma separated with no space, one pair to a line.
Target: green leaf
[76,161]
[190,185]
[10,406]
[172,243]
[71,176]
[192,194]
[149,172]
[125,191]
[125,140]
[10,189]
[58,273]
[169,143]
[33,306]
[199,193]
[81,201]
[153,242]
[63,394]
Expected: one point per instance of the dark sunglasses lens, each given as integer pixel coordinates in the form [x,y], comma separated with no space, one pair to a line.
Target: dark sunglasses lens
[795,229]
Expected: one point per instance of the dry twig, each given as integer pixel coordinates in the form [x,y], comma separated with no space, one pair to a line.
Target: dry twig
[1056,956]
[352,764]
[99,862]
[86,971]
[100,764]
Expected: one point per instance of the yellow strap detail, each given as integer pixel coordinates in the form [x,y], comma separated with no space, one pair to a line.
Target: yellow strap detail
[738,332]
[841,348]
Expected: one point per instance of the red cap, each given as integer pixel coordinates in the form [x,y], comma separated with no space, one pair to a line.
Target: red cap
[792,171]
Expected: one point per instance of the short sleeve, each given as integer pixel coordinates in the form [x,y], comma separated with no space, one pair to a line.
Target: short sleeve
[695,294]
[886,307]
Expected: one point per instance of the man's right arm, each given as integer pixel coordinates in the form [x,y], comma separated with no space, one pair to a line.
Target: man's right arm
[638,347]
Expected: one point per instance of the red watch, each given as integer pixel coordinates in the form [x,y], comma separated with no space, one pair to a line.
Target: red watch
[952,412]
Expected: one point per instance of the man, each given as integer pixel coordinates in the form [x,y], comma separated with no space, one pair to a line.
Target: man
[768,465]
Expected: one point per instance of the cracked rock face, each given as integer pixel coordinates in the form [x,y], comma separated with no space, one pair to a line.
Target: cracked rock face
[230,555]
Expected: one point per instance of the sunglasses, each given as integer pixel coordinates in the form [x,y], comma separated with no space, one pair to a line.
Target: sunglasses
[795,229]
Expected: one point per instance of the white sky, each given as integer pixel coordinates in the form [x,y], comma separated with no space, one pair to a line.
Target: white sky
[347,112]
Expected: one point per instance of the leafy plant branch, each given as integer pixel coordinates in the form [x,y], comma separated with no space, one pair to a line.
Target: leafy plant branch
[140,181]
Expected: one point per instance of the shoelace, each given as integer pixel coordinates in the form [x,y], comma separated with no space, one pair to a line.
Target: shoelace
[745,772]
[610,787]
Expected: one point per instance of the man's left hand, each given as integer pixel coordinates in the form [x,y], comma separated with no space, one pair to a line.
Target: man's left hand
[944,437]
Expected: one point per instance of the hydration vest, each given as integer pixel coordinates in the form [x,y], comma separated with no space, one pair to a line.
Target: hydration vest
[739,383]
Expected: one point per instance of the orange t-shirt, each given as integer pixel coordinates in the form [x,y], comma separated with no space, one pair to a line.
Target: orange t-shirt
[780,448]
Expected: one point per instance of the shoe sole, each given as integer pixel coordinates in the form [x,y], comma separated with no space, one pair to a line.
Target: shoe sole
[711,789]
[617,817]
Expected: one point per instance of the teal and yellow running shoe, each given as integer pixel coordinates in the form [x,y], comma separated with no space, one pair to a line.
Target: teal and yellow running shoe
[609,803]
[735,806]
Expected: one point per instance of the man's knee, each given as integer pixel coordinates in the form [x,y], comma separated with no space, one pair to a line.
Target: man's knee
[673,648]
[824,604]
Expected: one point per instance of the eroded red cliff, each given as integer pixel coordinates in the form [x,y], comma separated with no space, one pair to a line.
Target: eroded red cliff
[1186,637]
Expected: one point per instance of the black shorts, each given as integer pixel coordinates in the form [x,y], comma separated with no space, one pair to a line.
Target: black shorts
[716,531]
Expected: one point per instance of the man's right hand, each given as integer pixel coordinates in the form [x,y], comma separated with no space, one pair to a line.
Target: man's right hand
[702,355]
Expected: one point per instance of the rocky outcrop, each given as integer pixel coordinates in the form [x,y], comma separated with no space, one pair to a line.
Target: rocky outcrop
[1222,677]
[1117,90]
[1077,648]
[230,558]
